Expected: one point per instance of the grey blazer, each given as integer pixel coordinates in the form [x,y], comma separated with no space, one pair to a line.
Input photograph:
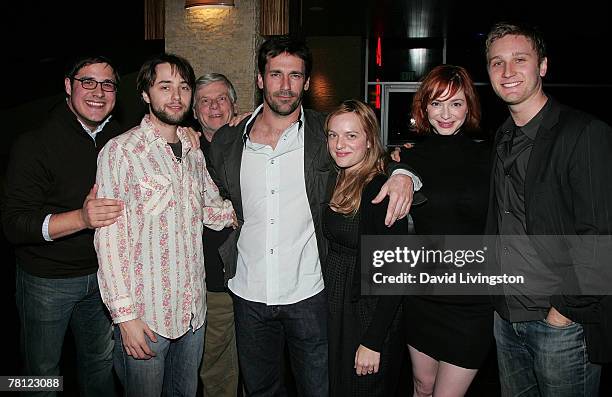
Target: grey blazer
[224,168]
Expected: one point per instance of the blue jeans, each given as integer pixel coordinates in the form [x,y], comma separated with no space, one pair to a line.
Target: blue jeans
[172,372]
[538,359]
[46,308]
[261,332]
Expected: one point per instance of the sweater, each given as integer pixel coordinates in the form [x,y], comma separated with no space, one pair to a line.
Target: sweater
[51,170]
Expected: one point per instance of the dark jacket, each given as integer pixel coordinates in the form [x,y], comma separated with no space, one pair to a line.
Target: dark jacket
[51,170]
[211,241]
[568,192]
[225,163]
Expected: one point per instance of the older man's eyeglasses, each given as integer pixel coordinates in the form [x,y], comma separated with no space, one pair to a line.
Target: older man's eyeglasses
[91,84]
[220,100]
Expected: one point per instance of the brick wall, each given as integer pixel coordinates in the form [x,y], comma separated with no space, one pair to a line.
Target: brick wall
[218,40]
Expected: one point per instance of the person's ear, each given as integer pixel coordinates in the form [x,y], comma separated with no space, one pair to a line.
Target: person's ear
[68,86]
[543,67]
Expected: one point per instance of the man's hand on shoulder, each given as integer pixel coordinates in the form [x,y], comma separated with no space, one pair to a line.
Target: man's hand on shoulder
[400,190]
[193,136]
[98,212]
[237,119]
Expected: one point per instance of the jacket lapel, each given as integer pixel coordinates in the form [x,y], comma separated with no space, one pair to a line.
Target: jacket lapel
[233,162]
[541,151]
[314,142]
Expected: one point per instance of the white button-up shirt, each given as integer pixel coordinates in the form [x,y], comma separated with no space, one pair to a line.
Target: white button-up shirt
[151,262]
[278,258]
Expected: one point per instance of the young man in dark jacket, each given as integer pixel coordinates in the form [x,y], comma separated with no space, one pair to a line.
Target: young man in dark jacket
[551,183]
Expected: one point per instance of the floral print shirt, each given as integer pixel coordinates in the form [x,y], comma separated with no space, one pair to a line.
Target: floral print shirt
[151,265]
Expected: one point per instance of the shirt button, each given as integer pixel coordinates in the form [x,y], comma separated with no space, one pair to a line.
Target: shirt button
[272,221]
[273,191]
[272,161]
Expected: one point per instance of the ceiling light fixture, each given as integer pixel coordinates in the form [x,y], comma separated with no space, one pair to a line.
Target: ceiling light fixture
[209,3]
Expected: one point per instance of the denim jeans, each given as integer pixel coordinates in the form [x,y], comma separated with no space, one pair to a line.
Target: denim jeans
[261,332]
[172,372]
[46,307]
[539,359]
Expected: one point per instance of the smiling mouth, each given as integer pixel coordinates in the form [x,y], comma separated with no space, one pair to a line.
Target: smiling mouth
[511,85]
[95,104]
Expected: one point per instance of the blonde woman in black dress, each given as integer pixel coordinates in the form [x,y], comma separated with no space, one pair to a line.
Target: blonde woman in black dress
[365,333]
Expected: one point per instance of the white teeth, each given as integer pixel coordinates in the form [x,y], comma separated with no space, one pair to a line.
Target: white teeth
[510,85]
[95,104]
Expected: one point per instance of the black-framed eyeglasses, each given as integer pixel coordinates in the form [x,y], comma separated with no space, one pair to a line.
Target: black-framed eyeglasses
[91,84]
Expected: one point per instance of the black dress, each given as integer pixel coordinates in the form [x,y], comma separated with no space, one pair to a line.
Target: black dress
[374,322]
[455,172]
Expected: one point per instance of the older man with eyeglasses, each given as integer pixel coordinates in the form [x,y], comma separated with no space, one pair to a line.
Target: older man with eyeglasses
[49,209]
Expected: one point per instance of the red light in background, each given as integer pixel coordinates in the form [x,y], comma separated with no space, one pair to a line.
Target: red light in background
[378,52]
[377,96]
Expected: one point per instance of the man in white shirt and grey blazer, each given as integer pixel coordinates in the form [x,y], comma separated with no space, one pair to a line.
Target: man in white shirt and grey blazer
[275,168]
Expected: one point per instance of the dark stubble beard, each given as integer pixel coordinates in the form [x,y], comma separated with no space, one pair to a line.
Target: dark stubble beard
[269,98]
[166,118]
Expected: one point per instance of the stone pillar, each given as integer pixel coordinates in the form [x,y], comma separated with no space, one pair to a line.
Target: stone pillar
[218,40]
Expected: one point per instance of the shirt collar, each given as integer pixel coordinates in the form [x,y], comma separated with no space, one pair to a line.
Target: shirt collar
[247,127]
[531,128]
[151,134]
[99,128]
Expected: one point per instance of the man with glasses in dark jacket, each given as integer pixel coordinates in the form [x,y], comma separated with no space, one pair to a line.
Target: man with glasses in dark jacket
[49,211]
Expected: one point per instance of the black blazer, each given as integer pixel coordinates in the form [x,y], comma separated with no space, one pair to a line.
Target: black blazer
[568,191]
[224,168]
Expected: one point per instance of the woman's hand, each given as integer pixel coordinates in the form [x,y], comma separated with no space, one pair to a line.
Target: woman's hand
[366,361]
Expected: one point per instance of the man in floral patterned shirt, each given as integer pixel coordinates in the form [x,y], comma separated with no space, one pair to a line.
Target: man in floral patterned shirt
[151,264]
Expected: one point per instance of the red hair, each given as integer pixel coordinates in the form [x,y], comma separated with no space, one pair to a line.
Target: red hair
[437,82]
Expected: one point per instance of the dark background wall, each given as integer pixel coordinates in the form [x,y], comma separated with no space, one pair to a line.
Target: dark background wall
[577,36]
